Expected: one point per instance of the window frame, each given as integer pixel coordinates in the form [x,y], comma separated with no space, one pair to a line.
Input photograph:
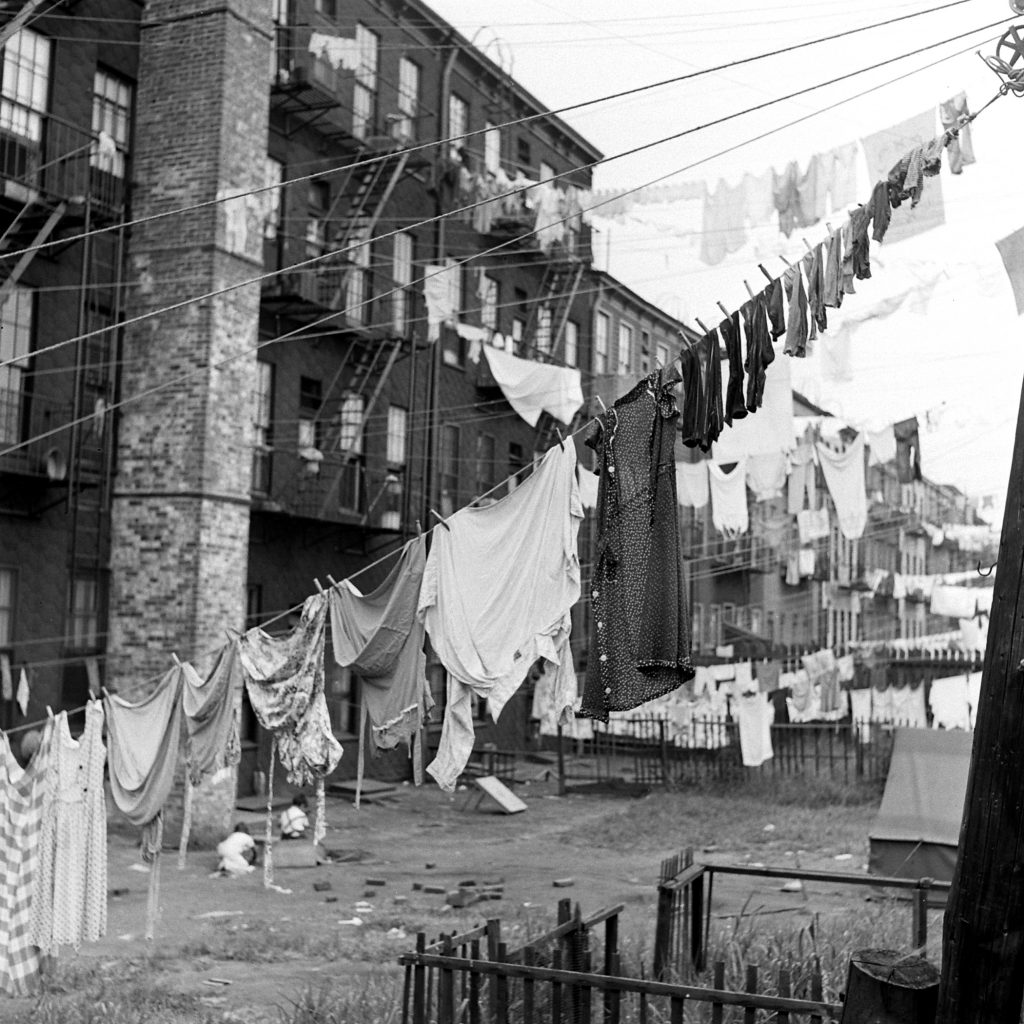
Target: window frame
[626,337]
[571,343]
[263,427]
[8,612]
[18,109]
[602,333]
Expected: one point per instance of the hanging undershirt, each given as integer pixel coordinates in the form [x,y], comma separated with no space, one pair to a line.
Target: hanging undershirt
[692,484]
[497,591]
[949,703]
[766,475]
[69,902]
[729,513]
[754,715]
[844,477]
[640,627]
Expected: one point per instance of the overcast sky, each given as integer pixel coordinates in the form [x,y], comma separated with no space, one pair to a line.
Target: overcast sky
[959,349]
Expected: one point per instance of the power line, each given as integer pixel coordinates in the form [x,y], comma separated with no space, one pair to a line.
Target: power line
[532,117]
[472,206]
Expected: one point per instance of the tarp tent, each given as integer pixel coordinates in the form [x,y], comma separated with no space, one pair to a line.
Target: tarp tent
[916,832]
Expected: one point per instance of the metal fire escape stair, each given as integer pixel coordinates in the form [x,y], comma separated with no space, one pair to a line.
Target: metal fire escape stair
[28,232]
[558,290]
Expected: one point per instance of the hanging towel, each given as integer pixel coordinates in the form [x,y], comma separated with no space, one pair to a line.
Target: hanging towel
[640,624]
[729,498]
[532,388]
[285,683]
[813,524]
[766,475]
[844,477]
[497,590]
[144,743]
[380,637]
[692,484]
[882,446]
[69,901]
[755,714]
[949,704]
[212,709]
[955,602]
[22,796]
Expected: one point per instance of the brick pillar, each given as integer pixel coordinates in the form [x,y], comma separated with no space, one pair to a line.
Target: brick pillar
[181,497]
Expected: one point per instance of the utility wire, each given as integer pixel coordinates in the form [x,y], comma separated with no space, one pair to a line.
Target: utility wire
[334,315]
[472,206]
[524,120]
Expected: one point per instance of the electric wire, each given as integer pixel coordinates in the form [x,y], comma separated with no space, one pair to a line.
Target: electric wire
[530,118]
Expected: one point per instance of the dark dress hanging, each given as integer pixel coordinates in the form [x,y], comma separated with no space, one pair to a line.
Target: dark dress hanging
[640,627]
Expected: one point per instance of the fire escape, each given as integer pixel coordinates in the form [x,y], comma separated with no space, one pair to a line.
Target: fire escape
[57,181]
[337,295]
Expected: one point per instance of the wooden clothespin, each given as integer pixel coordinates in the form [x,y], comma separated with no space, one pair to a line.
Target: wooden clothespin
[437,515]
[561,439]
[808,244]
[319,589]
[419,528]
[828,227]
[760,267]
[176,659]
[703,327]
[784,260]
[725,312]
[330,579]
[746,284]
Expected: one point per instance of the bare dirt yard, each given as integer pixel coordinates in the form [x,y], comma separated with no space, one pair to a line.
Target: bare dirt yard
[231,950]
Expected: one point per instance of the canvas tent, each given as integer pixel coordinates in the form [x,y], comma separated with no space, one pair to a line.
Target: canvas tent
[917,829]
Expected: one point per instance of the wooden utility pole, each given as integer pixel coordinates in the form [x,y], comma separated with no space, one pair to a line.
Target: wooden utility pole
[983,936]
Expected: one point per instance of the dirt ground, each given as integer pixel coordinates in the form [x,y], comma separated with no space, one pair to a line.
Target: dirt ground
[269,945]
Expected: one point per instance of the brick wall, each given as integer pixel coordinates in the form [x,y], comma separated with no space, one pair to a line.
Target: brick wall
[181,500]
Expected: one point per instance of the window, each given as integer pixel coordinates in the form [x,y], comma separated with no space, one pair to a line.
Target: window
[273,205]
[572,343]
[111,115]
[398,419]
[8,580]
[83,624]
[310,403]
[458,122]
[449,469]
[401,271]
[698,626]
[25,88]
[542,337]
[625,348]
[350,424]
[492,148]
[364,95]
[485,455]
[408,98]
[16,329]
[523,156]
[357,281]
[645,352]
[602,328]
[516,465]
[263,410]
[280,12]
[662,354]
[489,302]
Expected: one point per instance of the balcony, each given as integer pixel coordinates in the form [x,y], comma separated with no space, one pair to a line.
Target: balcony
[51,160]
[26,472]
[325,485]
[746,553]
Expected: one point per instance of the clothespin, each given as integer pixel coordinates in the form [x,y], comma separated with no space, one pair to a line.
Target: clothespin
[330,579]
[561,440]
[703,327]
[437,515]
[784,260]
[828,227]
[177,661]
[419,528]
[808,244]
[725,312]
[760,267]
[750,291]
[319,589]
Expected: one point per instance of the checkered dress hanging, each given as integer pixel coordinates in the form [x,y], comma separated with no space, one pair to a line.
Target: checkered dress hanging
[21,796]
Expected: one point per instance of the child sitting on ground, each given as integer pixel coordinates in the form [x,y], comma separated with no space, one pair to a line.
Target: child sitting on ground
[294,821]
[237,852]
